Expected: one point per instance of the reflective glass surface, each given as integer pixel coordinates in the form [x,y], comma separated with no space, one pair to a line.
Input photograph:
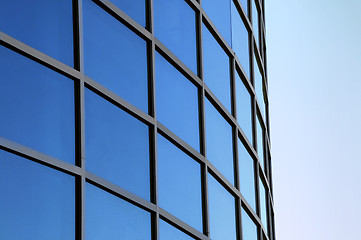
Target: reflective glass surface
[255,21]
[249,228]
[109,217]
[219,141]
[167,232]
[246,175]
[258,82]
[42,24]
[175,27]
[222,222]
[177,102]
[37,106]
[117,145]
[244,108]
[260,143]
[216,69]
[244,4]
[240,42]
[220,14]
[263,204]
[179,180]
[134,8]
[115,56]
[36,202]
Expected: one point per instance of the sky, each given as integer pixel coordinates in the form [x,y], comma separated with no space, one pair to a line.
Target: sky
[314,63]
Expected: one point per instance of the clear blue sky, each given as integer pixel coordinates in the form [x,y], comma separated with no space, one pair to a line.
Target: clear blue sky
[314,63]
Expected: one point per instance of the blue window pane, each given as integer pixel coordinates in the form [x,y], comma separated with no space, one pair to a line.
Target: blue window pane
[222,222]
[240,42]
[263,204]
[219,141]
[175,27]
[177,102]
[258,81]
[109,217]
[260,143]
[37,202]
[167,232]
[249,228]
[117,145]
[134,8]
[37,106]
[219,11]
[244,108]
[179,190]
[246,175]
[42,24]
[255,21]
[115,56]
[244,4]
[216,69]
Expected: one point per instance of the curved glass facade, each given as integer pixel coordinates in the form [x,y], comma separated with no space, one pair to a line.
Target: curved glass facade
[143,119]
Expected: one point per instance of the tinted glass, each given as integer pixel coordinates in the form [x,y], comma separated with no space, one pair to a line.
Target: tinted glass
[179,180]
[117,145]
[109,217]
[216,69]
[135,9]
[37,106]
[42,24]
[220,14]
[219,141]
[175,27]
[244,4]
[263,204]
[255,21]
[177,102]
[240,39]
[258,81]
[260,143]
[246,175]
[249,228]
[244,108]
[115,56]
[167,232]
[37,202]
[222,222]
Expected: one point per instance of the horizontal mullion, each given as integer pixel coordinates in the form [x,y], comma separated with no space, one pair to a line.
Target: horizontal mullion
[39,157]
[240,67]
[39,57]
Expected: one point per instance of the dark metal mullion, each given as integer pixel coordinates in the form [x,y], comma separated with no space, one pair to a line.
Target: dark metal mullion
[80,119]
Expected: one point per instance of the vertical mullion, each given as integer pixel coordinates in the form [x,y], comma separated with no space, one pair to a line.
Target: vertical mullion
[153,112]
[80,131]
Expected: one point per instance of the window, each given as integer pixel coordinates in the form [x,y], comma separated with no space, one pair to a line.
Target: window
[115,56]
[240,42]
[179,180]
[109,217]
[219,141]
[255,21]
[220,14]
[175,27]
[117,145]
[244,4]
[177,102]
[246,175]
[44,25]
[37,106]
[249,228]
[258,85]
[263,204]
[135,9]
[244,108]
[216,69]
[167,232]
[260,145]
[29,189]
[221,211]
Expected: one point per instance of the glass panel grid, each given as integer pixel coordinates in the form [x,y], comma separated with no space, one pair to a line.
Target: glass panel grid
[143,65]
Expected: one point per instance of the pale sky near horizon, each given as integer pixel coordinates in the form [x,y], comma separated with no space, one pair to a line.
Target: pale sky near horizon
[314,63]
